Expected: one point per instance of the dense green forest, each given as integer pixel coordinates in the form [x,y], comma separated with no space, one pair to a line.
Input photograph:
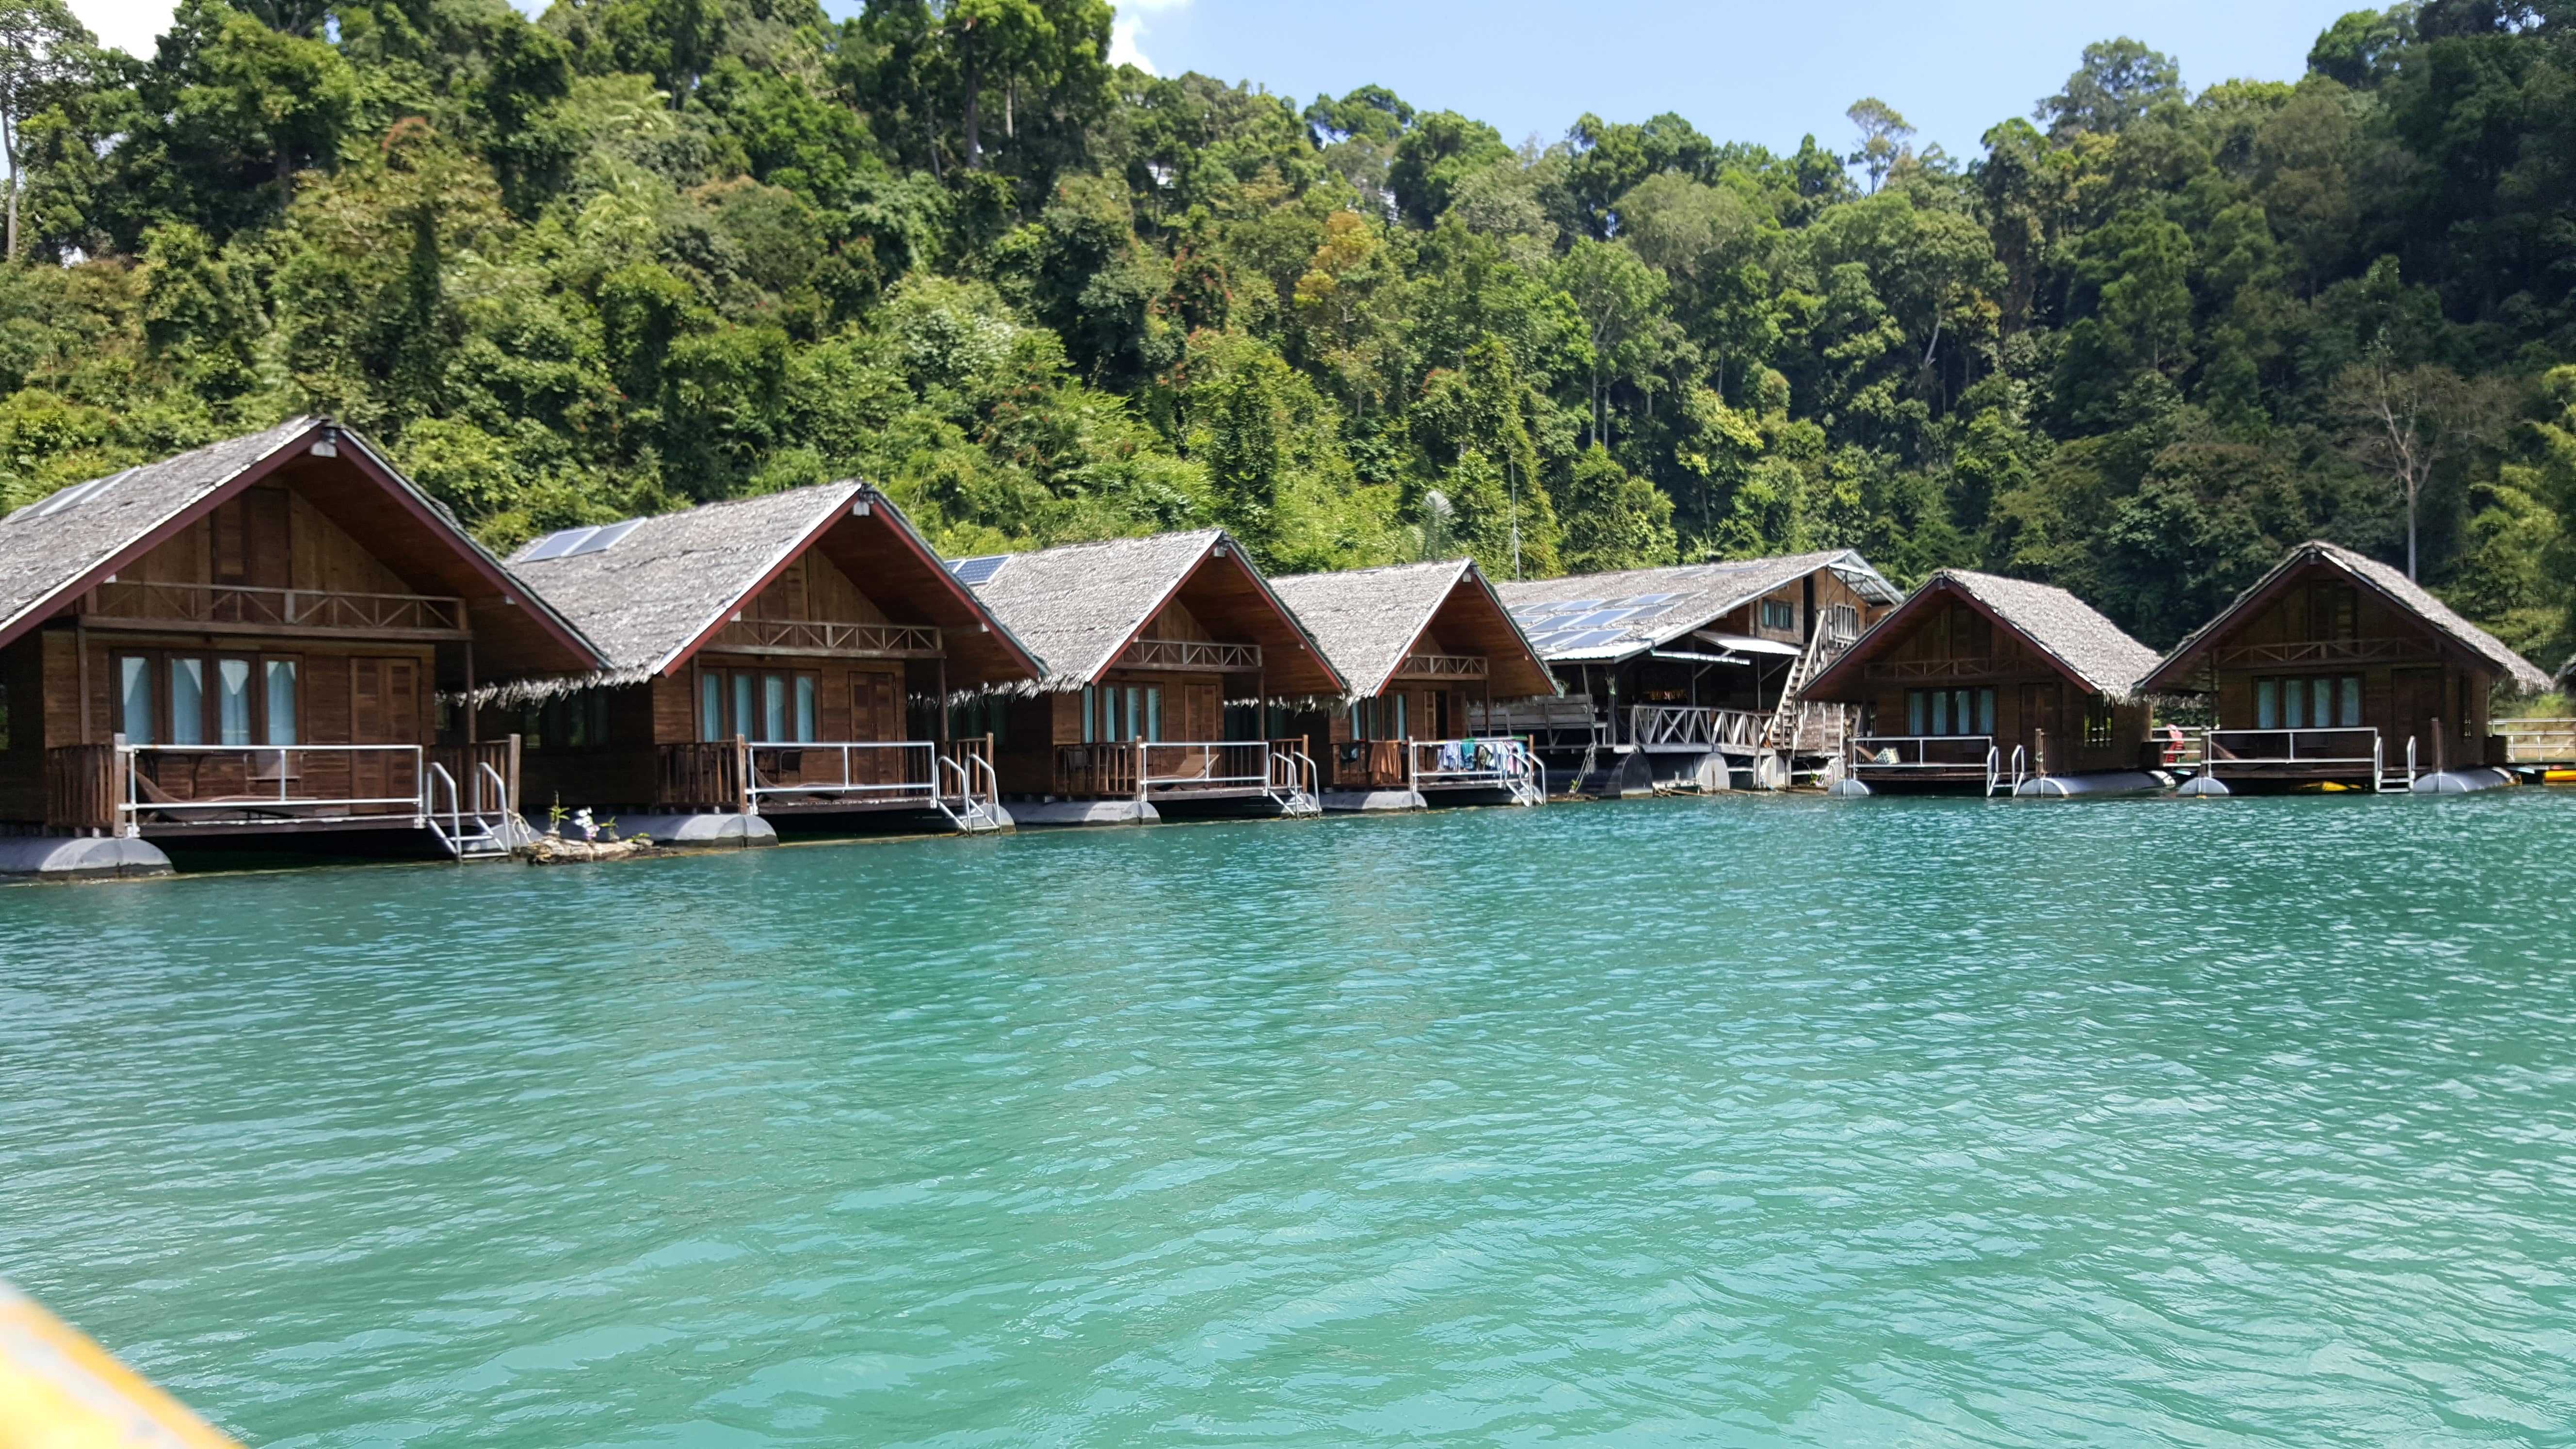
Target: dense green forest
[639,253]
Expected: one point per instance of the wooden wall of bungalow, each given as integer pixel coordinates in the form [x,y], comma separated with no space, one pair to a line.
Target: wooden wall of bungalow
[604,747]
[1439,692]
[1168,704]
[2379,666]
[183,618]
[1960,669]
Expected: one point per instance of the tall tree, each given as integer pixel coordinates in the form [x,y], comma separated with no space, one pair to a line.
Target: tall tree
[43,50]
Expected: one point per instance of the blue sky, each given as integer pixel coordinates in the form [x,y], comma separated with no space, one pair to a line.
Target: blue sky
[1766,72]
[1740,71]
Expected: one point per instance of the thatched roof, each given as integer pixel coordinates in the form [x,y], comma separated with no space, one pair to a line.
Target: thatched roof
[1078,606]
[2391,584]
[1369,620]
[650,590]
[2090,649]
[56,547]
[55,543]
[1596,618]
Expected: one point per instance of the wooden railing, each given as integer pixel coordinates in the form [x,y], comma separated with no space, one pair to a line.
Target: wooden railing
[708,775]
[1688,726]
[81,787]
[464,764]
[278,608]
[1444,666]
[1370,764]
[1097,769]
[1202,654]
[2318,651]
[1964,667]
[825,636]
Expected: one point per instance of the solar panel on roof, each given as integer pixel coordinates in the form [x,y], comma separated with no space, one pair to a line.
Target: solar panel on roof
[603,536]
[1591,637]
[975,571]
[1649,598]
[71,497]
[557,544]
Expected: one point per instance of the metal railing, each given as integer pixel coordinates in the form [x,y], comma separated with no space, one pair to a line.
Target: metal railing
[266,788]
[973,802]
[2340,745]
[2537,741]
[896,770]
[1494,763]
[154,600]
[1293,779]
[828,636]
[1922,752]
[1203,765]
[2003,778]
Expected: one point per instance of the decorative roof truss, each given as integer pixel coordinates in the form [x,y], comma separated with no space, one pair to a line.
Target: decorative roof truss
[1192,654]
[825,636]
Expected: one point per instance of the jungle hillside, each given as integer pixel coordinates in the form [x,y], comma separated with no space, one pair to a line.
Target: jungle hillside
[638,254]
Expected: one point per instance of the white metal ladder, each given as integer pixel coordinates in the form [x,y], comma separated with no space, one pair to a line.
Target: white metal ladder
[1291,783]
[478,833]
[978,810]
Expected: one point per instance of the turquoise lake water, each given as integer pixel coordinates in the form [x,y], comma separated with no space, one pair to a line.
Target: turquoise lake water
[1740,1121]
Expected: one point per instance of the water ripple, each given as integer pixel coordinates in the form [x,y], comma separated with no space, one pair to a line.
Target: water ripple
[1757,1122]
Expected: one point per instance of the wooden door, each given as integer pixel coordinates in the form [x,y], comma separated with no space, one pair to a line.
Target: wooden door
[876,713]
[2043,729]
[2417,698]
[384,709]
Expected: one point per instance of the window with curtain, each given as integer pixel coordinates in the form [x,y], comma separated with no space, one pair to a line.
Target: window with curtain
[136,718]
[282,697]
[2308,702]
[232,701]
[187,701]
[1950,711]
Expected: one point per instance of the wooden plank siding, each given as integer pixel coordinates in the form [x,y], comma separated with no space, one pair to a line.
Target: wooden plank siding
[2412,686]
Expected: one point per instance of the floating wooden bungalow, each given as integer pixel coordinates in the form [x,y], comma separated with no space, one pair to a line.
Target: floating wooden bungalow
[1170,663]
[1423,645]
[1984,685]
[1692,676]
[2337,671]
[775,661]
[246,645]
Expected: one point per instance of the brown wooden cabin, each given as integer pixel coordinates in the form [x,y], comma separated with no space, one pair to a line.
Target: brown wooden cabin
[249,642]
[1425,647]
[2336,669]
[1692,675]
[1169,665]
[787,656]
[1978,684]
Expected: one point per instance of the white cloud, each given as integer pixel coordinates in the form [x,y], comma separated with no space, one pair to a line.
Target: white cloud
[128,25]
[1129,25]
